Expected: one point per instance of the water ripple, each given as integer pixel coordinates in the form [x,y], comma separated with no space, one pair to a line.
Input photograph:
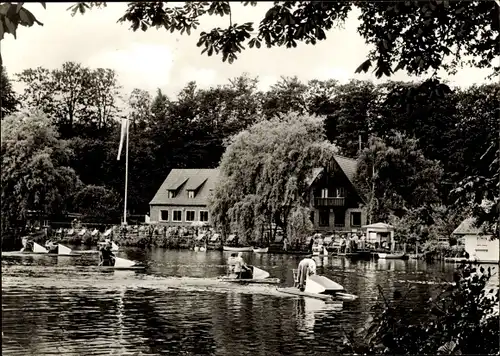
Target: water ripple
[56,306]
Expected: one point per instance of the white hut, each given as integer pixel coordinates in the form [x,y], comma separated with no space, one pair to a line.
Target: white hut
[380,233]
[481,247]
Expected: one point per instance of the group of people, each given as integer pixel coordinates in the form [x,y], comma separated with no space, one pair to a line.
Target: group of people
[352,244]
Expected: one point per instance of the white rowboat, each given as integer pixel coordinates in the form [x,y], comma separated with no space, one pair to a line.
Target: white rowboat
[391,256]
[261,250]
[238,249]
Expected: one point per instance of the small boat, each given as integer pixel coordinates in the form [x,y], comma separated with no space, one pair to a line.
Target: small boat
[114,247]
[42,251]
[319,287]
[260,249]
[258,276]
[238,249]
[319,251]
[124,265]
[392,256]
[457,259]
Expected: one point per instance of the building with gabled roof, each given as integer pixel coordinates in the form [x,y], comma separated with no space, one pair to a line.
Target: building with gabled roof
[182,199]
[336,203]
[481,247]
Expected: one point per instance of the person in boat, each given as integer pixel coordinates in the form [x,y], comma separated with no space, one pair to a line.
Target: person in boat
[306,267]
[107,256]
[27,244]
[231,263]
[242,270]
[51,246]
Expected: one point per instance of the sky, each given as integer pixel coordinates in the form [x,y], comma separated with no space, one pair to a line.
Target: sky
[159,59]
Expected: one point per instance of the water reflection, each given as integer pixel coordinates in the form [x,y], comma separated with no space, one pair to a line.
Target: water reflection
[308,310]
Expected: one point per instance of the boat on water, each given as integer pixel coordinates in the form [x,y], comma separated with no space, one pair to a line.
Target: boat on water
[124,265]
[319,250]
[260,249]
[319,287]
[238,249]
[392,256]
[114,246]
[257,275]
[40,250]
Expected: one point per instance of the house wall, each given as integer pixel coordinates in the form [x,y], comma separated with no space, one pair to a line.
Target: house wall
[345,217]
[336,178]
[482,247]
[155,214]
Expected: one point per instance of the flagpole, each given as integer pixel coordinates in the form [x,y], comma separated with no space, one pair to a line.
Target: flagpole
[126,175]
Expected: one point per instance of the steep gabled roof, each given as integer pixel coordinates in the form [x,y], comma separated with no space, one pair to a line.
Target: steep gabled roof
[348,166]
[467,227]
[202,180]
[315,174]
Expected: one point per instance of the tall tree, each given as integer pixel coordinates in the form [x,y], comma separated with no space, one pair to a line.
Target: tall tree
[8,100]
[140,103]
[264,173]
[35,168]
[75,97]
[396,176]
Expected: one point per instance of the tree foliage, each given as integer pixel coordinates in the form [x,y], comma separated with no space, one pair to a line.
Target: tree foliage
[462,319]
[36,174]
[415,36]
[75,97]
[396,176]
[264,173]
[8,100]
[97,203]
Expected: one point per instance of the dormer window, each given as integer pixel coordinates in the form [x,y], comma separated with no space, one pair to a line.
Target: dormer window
[171,194]
[190,194]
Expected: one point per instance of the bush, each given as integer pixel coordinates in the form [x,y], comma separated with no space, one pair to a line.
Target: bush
[463,319]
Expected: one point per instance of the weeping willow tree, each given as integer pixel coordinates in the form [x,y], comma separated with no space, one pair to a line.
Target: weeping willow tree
[264,175]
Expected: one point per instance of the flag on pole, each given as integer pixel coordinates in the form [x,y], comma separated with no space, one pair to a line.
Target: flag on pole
[124,132]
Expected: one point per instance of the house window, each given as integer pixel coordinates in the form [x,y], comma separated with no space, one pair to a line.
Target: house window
[312,217]
[203,215]
[355,219]
[324,218]
[339,219]
[189,215]
[171,194]
[163,215]
[190,194]
[324,193]
[177,215]
[340,192]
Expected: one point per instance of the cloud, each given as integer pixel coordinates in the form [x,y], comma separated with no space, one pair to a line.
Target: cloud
[139,65]
[204,77]
[337,73]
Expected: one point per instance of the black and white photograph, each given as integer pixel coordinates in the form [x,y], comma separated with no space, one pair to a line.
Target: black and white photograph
[250,178]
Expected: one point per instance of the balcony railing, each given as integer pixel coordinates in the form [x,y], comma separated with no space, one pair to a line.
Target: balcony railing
[329,201]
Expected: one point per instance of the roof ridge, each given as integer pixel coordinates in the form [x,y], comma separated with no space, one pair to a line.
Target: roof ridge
[352,159]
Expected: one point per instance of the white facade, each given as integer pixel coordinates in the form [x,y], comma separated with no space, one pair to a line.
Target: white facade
[482,248]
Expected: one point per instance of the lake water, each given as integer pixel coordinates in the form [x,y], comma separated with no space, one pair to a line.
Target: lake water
[64,306]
